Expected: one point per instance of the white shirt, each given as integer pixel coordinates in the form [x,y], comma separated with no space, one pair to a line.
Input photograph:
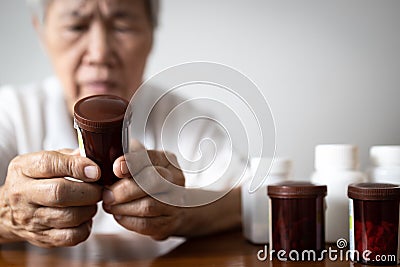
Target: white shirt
[35,118]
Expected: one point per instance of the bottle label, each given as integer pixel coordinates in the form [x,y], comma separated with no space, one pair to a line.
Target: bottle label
[398,241]
[351,225]
[270,225]
[80,143]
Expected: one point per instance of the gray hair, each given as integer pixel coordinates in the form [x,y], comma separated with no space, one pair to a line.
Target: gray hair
[38,9]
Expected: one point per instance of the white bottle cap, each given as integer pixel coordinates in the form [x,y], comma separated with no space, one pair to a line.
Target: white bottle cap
[279,165]
[336,157]
[385,155]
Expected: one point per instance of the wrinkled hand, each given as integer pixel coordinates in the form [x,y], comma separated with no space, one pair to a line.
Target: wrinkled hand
[132,207]
[38,205]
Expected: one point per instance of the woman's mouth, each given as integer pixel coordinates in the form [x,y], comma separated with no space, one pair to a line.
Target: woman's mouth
[99,87]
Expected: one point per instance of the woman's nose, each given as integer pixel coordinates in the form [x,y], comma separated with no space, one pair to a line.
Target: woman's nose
[99,50]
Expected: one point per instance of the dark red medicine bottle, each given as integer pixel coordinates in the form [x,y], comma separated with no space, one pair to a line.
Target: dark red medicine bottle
[98,120]
[297,217]
[374,223]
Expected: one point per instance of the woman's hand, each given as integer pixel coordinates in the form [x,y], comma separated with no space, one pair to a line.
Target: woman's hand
[38,205]
[132,207]
[139,212]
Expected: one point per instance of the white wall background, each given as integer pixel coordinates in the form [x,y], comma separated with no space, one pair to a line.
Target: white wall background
[330,69]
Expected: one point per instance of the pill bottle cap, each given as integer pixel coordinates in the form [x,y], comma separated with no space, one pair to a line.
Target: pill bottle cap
[385,156]
[336,157]
[279,165]
[99,113]
[373,191]
[296,189]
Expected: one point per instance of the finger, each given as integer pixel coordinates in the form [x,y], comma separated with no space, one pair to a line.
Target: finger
[177,174]
[122,191]
[141,159]
[71,152]
[68,236]
[157,227]
[135,145]
[60,192]
[161,158]
[128,190]
[155,180]
[66,151]
[143,207]
[60,218]
[52,164]
[120,168]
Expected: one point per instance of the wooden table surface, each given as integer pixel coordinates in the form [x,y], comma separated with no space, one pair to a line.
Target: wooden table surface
[227,249]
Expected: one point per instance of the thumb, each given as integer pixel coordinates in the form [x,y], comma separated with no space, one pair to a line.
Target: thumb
[54,164]
[68,151]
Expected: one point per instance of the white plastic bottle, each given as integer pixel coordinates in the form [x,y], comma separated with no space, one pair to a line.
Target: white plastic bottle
[255,206]
[337,166]
[385,161]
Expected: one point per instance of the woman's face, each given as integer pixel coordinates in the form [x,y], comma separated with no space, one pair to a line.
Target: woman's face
[97,46]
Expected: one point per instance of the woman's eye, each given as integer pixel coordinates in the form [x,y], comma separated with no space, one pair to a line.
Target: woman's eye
[120,28]
[78,28]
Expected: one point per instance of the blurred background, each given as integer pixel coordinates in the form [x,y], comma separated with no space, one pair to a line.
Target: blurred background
[330,70]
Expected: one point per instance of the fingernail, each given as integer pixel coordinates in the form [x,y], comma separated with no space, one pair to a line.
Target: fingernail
[108,197]
[118,217]
[124,168]
[91,172]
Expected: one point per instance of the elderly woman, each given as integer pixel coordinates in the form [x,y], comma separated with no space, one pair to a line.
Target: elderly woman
[95,47]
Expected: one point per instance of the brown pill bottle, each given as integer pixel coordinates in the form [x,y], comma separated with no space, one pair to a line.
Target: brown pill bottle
[297,217]
[374,223]
[99,120]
